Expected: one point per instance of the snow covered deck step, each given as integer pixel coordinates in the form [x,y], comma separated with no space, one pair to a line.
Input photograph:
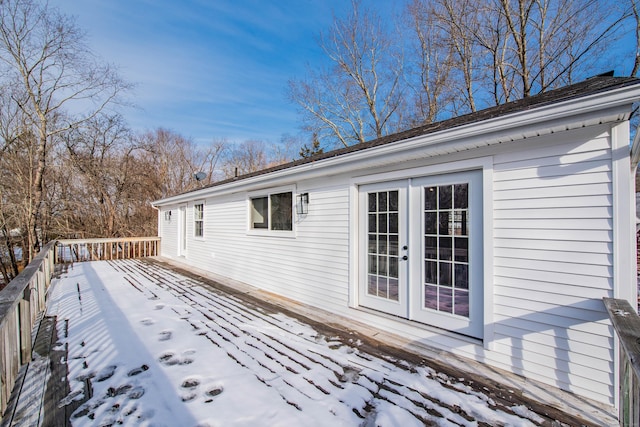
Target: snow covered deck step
[147,344]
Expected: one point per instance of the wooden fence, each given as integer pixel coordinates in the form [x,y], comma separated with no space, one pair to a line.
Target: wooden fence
[21,303]
[75,250]
[626,323]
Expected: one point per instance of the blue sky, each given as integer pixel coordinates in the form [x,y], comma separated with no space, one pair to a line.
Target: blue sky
[209,69]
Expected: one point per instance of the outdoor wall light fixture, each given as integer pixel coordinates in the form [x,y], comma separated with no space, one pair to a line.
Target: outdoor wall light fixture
[167,216]
[302,203]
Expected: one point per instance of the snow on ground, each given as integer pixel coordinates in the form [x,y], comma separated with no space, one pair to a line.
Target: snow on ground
[147,346]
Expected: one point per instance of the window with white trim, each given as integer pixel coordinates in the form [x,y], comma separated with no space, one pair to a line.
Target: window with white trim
[272,212]
[198,220]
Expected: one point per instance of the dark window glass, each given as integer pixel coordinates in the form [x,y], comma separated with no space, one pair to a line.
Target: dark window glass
[393,223]
[282,211]
[372,202]
[431,272]
[382,201]
[373,223]
[431,247]
[461,303]
[430,198]
[461,253]
[444,197]
[445,300]
[431,297]
[461,196]
[382,244]
[393,201]
[382,223]
[393,289]
[372,244]
[372,288]
[382,265]
[393,245]
[383,287]
[445,274]
[393,267]
[462,276]
[443,222]
[430,222]
[444,252]
[373,264]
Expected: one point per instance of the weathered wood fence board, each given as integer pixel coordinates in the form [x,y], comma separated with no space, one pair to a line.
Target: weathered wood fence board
[77,250]
[626,323]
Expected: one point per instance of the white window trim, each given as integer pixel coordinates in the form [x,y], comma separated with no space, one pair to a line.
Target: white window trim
[267,193]
[193,218]
[483,163]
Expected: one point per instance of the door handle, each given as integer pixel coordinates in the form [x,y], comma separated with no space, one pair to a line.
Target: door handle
[404,258]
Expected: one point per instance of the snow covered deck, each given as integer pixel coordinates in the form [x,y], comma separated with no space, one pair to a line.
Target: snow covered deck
[143,344]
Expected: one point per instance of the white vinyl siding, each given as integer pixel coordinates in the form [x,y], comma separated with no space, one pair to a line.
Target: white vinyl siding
[549,214]
[315,263]
[553,259]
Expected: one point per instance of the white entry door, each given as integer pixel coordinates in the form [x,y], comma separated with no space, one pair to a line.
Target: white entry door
[182,231]
[421,250]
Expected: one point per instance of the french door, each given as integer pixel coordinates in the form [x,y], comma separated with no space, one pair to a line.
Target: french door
[421,250]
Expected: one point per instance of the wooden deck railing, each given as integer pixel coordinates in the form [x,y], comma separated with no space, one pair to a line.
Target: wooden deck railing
[626,323]
[21,303]
[75,250]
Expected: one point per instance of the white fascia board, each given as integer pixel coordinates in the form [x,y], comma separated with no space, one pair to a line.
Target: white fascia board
[598,108]
[635,150]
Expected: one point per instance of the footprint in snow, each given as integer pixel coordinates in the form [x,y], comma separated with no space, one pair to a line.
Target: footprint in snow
[136,393]
[147,321]
[169,359]
[214,391]
[106,373]
[190,383]
[137,371]
[165,335]
[159,306]
[123,389]
[188,397]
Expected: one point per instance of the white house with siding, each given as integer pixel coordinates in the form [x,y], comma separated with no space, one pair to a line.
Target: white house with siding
[493,236]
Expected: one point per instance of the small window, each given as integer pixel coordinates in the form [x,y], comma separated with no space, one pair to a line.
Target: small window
[198,220]
[272,212]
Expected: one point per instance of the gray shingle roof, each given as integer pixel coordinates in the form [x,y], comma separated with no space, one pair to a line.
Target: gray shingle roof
[591,86]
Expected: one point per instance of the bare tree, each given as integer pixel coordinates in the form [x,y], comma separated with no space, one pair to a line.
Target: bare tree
[56,83]
[175,160]
[360,95]
[636,30]
[246,157]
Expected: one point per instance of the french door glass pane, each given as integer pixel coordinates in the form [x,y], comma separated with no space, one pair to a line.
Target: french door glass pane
[446,248]
[383,247]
